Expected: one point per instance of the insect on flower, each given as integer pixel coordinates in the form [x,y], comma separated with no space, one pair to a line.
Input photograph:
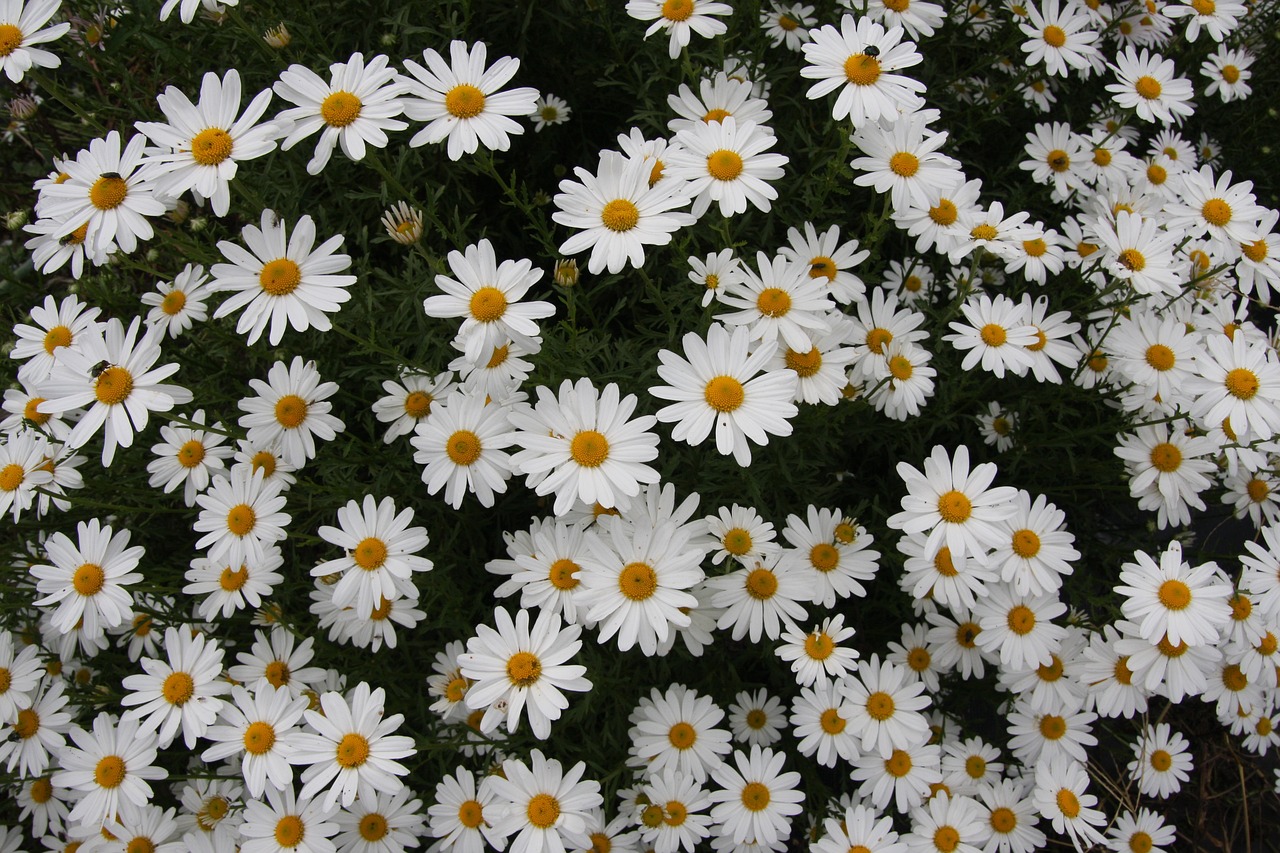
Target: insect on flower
[871,50]
[98,368]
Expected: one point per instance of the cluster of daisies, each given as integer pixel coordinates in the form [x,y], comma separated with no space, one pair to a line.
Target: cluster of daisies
[1175,248]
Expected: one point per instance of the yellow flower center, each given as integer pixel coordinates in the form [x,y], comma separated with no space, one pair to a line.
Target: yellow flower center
[1035,248]
[975,766]
[900,367]
[898,764]
[912,284]
[993,335]
[1021,620]
[211,146]
[41,791]
[637,581]
[463,447]
[943,564]
[985,231]
[11,477]
[946,839]
[340,109]
[259,737]
[524,669]
[233,580]
[589,449]
[1161,760]
[178,688]
[904,164]
[620,215]
[954,507]
[919,659]
[241,519]
[716,115]
[880,706]
[499,356]
[682,735]
[191,453]
[967,634]
[370,554]
[108,193]
[1233,679]
[1216,212]
[1175,595]
[1148,87]
[471,814]
[173,303]
[1026,543]
[831,721]
[563,574]
[897,5]
[109,771]
[27,724]
[544,809]
[1242,383]
[724,394]
[289,831]
[464,101]
[724,165]
[456,689]
[280,277]
[677,10]
[58,336]
[1204,7]
[862,70]
[10,39]
[944,213]
[755,796]
[352,750]
[88,579]
[1004,820]
[418,404]
[488,304]
[737,541]
[1058,160]
[1054,36]
[1160,357]
[824,557]
[674,814]
[761,584]
[113,386]
[805,364]
[264,461]
[1166,457]
[787,23]
[756,719]
[1268,646]
[373,827]
[819,645]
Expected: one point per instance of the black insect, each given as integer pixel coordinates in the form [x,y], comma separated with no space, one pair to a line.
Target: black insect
[67,239]
[115,175]
[98,368]
[1060,162]
[872,50]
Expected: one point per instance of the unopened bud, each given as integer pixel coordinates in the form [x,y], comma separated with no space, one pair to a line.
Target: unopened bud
[278,36]
[565,272]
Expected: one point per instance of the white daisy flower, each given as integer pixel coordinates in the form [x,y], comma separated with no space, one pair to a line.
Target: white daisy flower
[108,190]
[274,659]
[955,504]
[781,302]
[187,8]
[288,823]
[946,821]
[487,295]
[1173,600]
[1060,797]
[87,579]
[291,409]
[902,160]
[517,668]
[756,800]
[915,656]
[996,335]
[110,766]
[20,28]
[549,110]
[1168,470]
[1219,18]
[22,470]
[819,718]
[885,707]
[817,657]
[114,373]
[284,280]
[869,88]
[227,589]
[408,401]
[1144,831]
[354,750]
[460,448]
[202,144]
[241,517]
[188,457]
[787,24]
[758,601]
[1060,36]
[742,534]
[261,728]
[859,826]
[833,550]
[1228,71]
[387,823]
[637,579]
[458,816]
[179,304]
[381,553]
[674,818]
[675,732]
[681,19]
[462,102]
[180,694]
[717,387]
[756,719]
[39,730]
[21,674]
[714,273]
[1147,85]
[905,778]
[620,210]
[355,109]
[1162,761]
[1017,626]
[1227,213]
[726,162]
[1039,550]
